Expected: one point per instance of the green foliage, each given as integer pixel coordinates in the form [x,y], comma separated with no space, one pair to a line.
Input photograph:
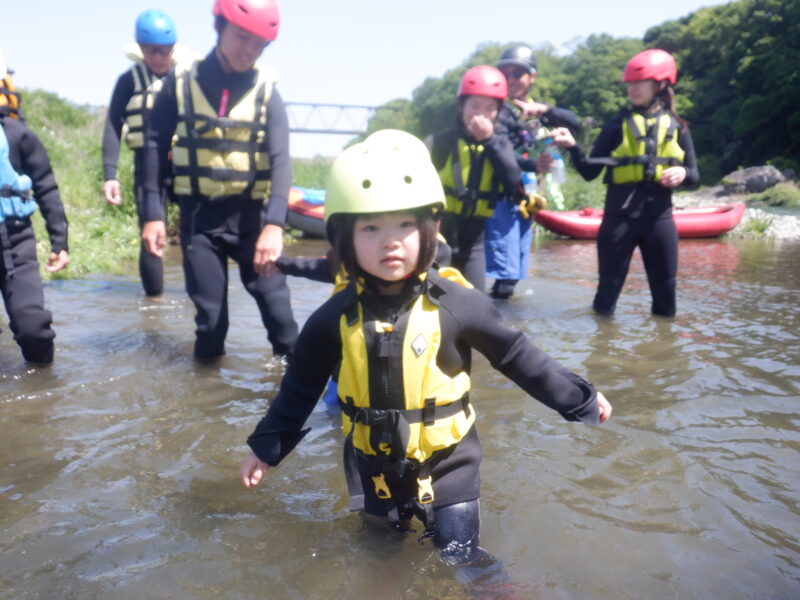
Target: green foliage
[311,172]
[579,193]
[758,225]
[785,194]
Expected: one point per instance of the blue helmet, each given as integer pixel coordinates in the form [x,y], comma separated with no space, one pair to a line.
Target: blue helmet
[155,27]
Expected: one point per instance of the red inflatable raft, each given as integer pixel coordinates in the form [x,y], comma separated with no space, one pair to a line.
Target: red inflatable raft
[307,211]
[701,222]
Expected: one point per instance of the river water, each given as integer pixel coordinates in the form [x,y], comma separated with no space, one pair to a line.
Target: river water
[119,464]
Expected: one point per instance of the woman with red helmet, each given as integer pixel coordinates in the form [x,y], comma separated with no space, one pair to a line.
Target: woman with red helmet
[231,174]
[647,152]
[477,166]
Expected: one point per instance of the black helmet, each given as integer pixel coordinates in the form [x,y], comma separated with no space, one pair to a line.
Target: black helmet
[521,56]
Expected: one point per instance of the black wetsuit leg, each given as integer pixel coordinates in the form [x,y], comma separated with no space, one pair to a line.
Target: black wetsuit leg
[616,241]
[151,268]
[271,295]
[23,294]
[467,238]
[205,269]
[660,256]
[457,529]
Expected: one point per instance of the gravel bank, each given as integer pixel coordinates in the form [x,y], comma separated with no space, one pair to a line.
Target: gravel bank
[780,227]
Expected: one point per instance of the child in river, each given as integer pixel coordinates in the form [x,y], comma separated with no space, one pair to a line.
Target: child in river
[400,335]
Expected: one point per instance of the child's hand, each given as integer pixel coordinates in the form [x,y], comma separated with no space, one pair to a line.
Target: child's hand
[252,470]
[605,407]
[562,137]
[480,128]
[673,177]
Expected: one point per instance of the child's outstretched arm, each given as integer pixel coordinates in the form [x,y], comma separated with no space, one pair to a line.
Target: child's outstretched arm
[252,470]
[605,407]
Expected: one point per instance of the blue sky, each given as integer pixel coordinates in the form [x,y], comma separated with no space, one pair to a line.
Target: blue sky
[363,52]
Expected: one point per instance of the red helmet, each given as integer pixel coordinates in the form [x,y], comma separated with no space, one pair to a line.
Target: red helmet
[651,64]
[483,81]
[260,17]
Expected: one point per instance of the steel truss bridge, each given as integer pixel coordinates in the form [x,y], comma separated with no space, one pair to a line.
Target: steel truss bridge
[342,119]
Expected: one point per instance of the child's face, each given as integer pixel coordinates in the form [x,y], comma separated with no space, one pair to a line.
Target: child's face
[641,93]
[157,57]
[387,245]
[479,107]
[240,48]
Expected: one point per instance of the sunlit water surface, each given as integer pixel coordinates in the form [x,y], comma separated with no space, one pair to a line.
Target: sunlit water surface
[119,464]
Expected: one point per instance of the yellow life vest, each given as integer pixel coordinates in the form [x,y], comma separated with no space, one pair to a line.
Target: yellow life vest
[396,402]
[465,166]
[145,86]
[221,157]
[649,145]
[9,97]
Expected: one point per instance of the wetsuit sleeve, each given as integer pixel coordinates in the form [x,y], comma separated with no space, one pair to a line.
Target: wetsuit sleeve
[32,160]
[316,354]
[115,119]
[160,127]
[513,354]
[689,159]
[561,117]
[609,138]
[316,269]
[503,158]
[274,212]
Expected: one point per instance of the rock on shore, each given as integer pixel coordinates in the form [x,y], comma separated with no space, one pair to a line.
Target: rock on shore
[780,226]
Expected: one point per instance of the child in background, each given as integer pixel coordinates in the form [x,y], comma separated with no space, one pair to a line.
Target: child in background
[647,152]
[131,101]
[400,337]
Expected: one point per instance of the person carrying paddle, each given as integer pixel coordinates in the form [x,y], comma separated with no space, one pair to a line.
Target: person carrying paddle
[647,152]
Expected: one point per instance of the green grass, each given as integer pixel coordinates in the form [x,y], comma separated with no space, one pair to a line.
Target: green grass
[102,238]
[758,225]
[785,194]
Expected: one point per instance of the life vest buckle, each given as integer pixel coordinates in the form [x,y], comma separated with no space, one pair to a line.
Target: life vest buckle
[381,488]
[221,173]
[425,493]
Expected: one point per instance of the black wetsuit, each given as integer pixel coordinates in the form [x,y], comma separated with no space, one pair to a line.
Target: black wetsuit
[211,232]
[635,215]
[21,284]
[521,132]
[151,269]
[466,233]
[467,320]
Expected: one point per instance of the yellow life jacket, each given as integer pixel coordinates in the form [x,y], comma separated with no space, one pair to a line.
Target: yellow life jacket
[145,86]
[221,157]
[396,402]
[9,97]
[649,145]
[469,181]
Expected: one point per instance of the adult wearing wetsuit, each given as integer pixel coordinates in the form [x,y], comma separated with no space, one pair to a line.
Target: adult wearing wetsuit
[131,101]
[24,169]
[232,173]
[647,151]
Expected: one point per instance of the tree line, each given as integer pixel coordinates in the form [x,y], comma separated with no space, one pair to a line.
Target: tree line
[738,83]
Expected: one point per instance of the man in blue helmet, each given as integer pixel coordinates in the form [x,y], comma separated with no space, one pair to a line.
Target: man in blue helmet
[130,105]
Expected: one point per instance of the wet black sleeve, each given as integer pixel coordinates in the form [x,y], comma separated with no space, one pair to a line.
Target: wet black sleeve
[316,269]
[115,119]
[503,158]
[609,138]
[314,359]
[28,156]
[160,126]
[275,211]
[478,325]
[689,159]
[561,117]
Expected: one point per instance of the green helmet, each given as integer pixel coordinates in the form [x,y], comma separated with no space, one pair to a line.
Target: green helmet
[391,170]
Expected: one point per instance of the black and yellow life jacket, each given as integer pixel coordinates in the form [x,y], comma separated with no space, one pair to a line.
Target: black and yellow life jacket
[649,145]
[397,404]
[470,185]
[9,97]
[221,157]
[145,85]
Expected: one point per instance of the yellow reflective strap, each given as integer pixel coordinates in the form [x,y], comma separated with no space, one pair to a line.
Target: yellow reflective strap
[381,489]
[425,495]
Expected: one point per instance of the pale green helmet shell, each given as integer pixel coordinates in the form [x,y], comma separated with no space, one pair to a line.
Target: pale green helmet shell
[391,170]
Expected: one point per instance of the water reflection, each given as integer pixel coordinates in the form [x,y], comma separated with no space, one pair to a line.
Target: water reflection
[118,468]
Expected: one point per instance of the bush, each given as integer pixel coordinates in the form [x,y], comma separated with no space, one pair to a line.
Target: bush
[783,194]
[579,193]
